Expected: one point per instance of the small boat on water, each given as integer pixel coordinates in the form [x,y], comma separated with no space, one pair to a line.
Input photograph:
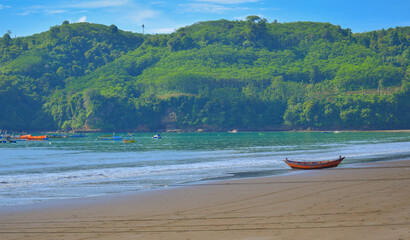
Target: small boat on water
[110,138]
[77,135]
[129,141]
[56,135]
[314,165]
[157,136]
[8,139]
[29,137]
[233,131]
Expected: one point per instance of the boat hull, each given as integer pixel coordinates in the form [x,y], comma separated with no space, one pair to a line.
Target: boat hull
[35,138]
[110,138]
[314,165]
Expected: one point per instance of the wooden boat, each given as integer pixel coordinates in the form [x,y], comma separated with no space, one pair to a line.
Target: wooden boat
[77,135]
[10,139]
[56,135]
[29,137]
[110,138]
[314,165]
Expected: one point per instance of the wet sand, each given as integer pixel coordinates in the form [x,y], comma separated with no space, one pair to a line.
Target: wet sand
[371,202]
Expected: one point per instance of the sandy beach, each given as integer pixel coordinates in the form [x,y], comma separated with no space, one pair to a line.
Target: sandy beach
[370,202]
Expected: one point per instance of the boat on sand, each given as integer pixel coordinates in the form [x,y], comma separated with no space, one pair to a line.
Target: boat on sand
[314,165]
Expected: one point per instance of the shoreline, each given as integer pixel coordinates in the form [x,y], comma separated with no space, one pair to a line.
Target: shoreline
[220,131]
[370,202]
[57,203]
[72,202]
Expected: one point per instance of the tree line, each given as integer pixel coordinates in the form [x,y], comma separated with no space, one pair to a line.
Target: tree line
[215,75]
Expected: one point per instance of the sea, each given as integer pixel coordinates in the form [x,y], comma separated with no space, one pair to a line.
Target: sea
[66,168]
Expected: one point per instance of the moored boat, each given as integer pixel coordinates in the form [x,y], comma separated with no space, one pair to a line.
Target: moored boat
[56,135]
[29,137]
[110,138]
[129,141]
[157,136]
[7,139]
[314,165]
[77,135]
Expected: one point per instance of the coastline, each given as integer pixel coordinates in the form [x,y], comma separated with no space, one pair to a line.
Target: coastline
[370,202]
[100,131]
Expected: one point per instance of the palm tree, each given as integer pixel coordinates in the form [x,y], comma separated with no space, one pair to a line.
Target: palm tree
[143,26]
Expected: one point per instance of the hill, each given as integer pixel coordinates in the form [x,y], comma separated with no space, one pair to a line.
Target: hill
[215,75]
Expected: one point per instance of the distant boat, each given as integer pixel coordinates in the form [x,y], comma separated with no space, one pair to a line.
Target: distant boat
[110,138]
[56,135]
[8,139]
[233,131]
[77,135]
[129,141]
[157,136]
[314,165]
[29,137]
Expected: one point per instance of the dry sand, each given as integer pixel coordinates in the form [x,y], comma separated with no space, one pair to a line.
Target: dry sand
[372,202]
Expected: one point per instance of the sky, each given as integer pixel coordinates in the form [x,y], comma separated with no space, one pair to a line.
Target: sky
[27,17]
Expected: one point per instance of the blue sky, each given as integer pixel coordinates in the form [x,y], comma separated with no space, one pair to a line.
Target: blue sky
[26,17]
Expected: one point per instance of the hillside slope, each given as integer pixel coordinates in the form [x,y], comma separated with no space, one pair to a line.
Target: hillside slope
[216,75]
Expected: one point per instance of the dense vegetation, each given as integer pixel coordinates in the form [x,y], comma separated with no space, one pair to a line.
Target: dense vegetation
[212,75]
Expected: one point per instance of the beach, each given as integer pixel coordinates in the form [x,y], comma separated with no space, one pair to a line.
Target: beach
[367,202]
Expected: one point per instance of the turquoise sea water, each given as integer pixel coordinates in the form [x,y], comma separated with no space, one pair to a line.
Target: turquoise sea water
[33,171]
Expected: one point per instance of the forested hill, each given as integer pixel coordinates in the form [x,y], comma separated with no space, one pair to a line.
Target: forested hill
[215,75]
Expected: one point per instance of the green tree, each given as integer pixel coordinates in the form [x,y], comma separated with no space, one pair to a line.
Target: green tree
[114,29]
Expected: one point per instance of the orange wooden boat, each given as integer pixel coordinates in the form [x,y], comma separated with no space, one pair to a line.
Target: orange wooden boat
[29,137]
[314,165]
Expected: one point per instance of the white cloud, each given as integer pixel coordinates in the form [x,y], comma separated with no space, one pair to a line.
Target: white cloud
[228,1]
[240,18]
[82,19]
[55,11]
[3,6]
[36,9]
[26,13]
[159,3]
[82,5]
[204,8]
[163,30]
[139,16]
[100,4]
